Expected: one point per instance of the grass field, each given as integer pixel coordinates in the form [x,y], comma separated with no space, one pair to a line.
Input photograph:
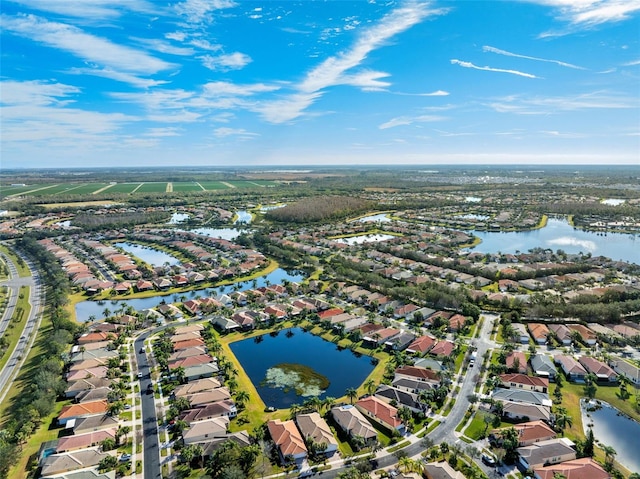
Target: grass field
[54,190]
[190,186]
[213,185]
[122,188]
[159,187]
[18,190]
[88,188]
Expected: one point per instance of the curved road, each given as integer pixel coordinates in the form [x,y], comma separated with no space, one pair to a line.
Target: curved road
[36,300]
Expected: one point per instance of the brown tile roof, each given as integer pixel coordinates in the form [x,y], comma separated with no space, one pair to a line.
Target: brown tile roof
[386,413]
[585,468]
[524,379]
[417,372]
[93,407]
[287,437]
[422,344]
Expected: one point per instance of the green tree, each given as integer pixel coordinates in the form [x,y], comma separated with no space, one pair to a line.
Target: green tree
[351,393]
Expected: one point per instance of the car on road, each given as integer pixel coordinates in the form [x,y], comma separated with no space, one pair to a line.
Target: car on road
[125,457]
[139,375]
[488,460]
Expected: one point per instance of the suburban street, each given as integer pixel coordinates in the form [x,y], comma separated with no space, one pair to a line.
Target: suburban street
[151,454]
[30,323]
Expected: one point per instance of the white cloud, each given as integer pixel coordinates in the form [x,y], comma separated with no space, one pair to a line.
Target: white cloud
[88,47]
[435,93]
[118,76]
[585,14]
[199,11]
[162,132]
[90,9]
[551,105]
[490,69]
[632,63]
[487,48]
[333,71]
[368,80]
[233,61]
[408,120]
[164,47]
[39,111]
[241,132]
[230,89]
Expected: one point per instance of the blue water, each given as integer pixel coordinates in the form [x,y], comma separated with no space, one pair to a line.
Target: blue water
[150,256]
[84,309]
[343,368]
[558,234]
[243,217]
[618,431]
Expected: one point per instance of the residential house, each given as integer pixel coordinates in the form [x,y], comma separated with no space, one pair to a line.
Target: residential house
[543,366]
[207,397]
[187,353]
[400,342]
[95,337]
[603,372]
[203,431]
[200,371]
[546,453]
[526,411]
[539,332]
[90,395]
[353,423]
[313,427]
[223,324]
[521,333]
[516,361]
[421,345]
[197,386]
[588,336]
[528,432]
[83,441]
[381,412]
[209,411]
[189,361]
[443,349]
[456,322]
[573,370]
[87,409]
[412,385]
[91,423]
[84,384]
[520,395]
[417,374]
[56,464]
[585,468]
[380,336]
[399,398]
[441,470]
[628,370]
[288,440]
[562,332]
[522,381]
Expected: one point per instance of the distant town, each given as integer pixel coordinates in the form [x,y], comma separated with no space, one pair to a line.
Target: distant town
[441,323]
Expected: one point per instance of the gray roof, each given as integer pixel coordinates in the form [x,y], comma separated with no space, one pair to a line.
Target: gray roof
[521,395]
[542,362]
[544,452]
[403,398]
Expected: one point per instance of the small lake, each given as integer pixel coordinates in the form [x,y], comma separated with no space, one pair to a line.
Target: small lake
[559,234]
[343,368]
[617,431]
[244,217]
[222,233]
[382,218]
[364,239]
[84,309]
[613,202]
[150,256]
[473,199]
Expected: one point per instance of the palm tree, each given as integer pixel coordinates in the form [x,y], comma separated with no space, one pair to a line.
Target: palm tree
[241,398]
[609,453]
[370,386]
[563,419]
[351,393]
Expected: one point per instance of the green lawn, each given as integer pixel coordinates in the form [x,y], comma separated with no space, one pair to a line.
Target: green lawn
[183,186]
[18,190]
[55,189]
[123,188]
[214,185]
[88,188]
[155,187]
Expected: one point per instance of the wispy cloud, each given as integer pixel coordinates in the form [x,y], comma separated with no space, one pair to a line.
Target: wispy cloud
[558,134]
[409,120]
[551,105]
[490,69]
[333,71]
[368,80]
[237,132]
[490,49]
[164,47]
[585,14]
[100,53]
[42,111]
[90,9]
[632,63]
[232,61]
[198,12]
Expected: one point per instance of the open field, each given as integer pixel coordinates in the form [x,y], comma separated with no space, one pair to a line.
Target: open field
[213,185]
[186,186]
[78,204]
[159,187]
[88,188]
[122,188]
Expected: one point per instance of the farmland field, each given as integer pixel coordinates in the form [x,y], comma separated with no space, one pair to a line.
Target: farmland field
[17,190]
[250,184]
[159,187]
[213,185]
[122,188]
[88,188]
[55,189]
[186,186]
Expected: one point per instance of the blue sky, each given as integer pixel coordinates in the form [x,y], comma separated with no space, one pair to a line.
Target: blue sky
[222,82]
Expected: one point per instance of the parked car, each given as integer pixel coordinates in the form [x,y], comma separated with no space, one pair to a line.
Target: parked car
[488,460]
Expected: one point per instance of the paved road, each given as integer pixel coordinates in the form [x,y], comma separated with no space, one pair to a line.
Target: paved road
[31,325]
[151,455]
